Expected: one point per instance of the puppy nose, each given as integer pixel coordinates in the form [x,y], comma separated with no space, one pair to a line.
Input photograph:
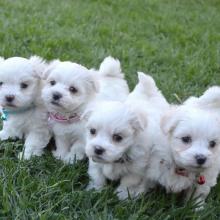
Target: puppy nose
[200,159]
[9,98]
[57,96]
[99,150]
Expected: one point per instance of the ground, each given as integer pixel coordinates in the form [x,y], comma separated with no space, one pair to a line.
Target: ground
[177,42]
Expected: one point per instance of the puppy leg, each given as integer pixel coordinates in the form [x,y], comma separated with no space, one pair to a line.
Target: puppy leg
[4,135]
[77,152]
[200,195]
[132,185]
[62,147]
[97,179]
[34,145]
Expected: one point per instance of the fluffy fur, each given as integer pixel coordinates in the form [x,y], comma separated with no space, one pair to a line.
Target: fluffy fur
[189,149]
[120,138]
[20,89]
[69,90]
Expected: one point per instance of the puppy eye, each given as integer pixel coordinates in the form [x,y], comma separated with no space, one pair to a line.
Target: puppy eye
[186,139]
[1,83]
[117,138]
[212,144]
[73,89]
[24,85]
[52,82]
[92,131]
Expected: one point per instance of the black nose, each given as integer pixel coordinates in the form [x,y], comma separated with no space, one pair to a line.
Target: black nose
[57,96]
[99,150]
[200,159]
[9,98]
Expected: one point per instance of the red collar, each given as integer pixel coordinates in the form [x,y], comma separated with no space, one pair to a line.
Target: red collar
[183,172]
[62,119]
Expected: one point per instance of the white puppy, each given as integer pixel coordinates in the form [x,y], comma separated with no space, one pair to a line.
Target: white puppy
[188,156]
[23,112]
[120,138]
[69,90]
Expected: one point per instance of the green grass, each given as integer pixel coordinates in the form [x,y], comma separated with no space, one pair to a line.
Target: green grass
[177,41]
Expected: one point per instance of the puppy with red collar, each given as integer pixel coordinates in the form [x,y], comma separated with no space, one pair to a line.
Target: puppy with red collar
[188,156]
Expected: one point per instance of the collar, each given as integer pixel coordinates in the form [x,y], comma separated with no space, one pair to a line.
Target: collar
[57,117]
[124,159]
[6,112]
[183,172]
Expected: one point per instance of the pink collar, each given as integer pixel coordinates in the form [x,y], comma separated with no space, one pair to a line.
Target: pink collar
[62,119]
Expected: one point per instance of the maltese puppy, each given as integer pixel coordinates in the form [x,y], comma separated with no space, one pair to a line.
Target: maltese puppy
[69,90]
[120,138]
[23,113]
[188,156]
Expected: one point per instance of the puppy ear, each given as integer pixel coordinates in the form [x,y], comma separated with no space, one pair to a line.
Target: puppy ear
[92,81]
[38,64]
[169,121]
[50,67]
[210,99]
[138,119]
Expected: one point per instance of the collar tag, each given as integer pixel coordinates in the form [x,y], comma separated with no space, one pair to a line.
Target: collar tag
[4,115]
[201,180]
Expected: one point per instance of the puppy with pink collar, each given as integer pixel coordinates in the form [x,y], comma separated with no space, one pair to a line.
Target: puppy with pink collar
[69,90]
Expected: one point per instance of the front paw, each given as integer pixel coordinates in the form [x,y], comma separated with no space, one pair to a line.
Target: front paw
[122,193]
[4,136]
[26,155]
[59,155]
[73,158]
[95,186]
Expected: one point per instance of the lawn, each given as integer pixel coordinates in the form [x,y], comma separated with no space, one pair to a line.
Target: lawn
[177,41]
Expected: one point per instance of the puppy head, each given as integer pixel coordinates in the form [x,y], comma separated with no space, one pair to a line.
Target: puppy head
[194,136]
[111,131]
[68,86]
[19,84]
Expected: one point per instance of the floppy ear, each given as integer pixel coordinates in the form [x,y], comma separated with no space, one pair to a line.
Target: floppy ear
[170,120]
[38,64]
[138,119]
[50,67]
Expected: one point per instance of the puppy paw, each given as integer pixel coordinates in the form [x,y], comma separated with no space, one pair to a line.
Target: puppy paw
[73,158]
[4,136]
[59,155]
[26,155]
[122,193]
[92,186]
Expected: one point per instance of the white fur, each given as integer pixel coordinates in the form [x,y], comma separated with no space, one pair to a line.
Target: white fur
[137,122]
[92,86]
[172,153]
[30,124]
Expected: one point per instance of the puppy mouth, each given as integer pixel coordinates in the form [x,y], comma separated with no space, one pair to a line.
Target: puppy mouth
[98,159]
[56,103]
[10,105]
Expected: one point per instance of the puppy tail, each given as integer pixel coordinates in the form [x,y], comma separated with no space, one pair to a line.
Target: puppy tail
[39,65]
[111,67]
[210,98]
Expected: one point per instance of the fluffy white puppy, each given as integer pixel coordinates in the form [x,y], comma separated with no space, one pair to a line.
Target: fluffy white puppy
[188,156]
[70,89]
[23,112]
[120,137]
